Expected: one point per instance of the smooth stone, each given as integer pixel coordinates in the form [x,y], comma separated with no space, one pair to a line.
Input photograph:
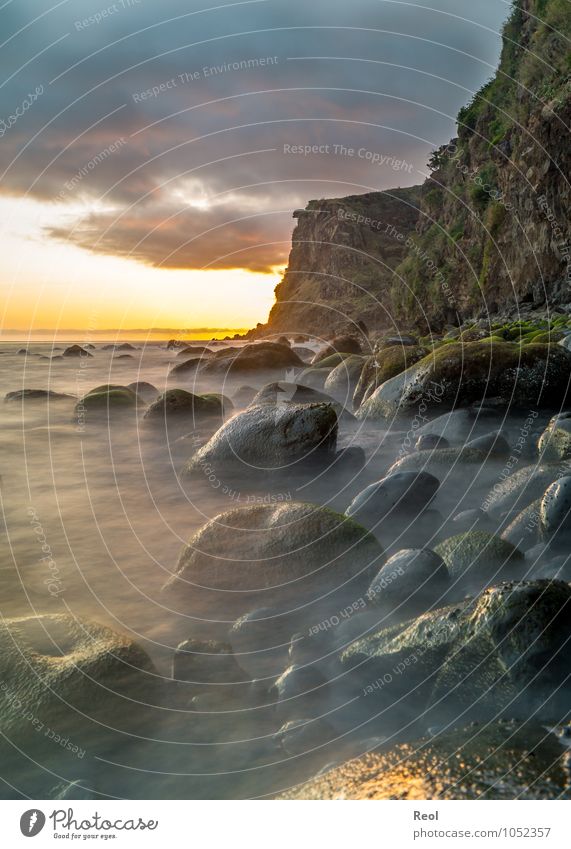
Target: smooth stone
[459,374]
[460,426]
[37,395]
[475,559]
[439,463]
[524,530]
[76,351]
[179,402]
[144,390]
[268,439]
[303,736]
[79,678]
[283,392]
[400,492]
[343,379]
[411,582]
[494,444]
[291,556]
[260,356]
[300,692]
[475,519]
[555,513]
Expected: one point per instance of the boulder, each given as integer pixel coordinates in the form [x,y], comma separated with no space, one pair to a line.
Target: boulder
[267,438]
[283,392]
[77,678]
[439,463]
[387,363]
[76,351]
[243,396]
[341,344]
[314,377]
[410,583]
[457,374]
[177,403]
[431,442]
[37,395]
[280,555]
[499,760]
[260,356]
[341,382]
[502,653]
[106,400]
[405,492]
[475,559]
[555,442]
[461,426]
[144,390]
[555,513]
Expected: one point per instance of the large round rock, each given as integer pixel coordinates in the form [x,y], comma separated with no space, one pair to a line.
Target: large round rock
[77,678]
[283,557]
[461,374]
[270,439]
[411,582]
[476,559]
[404,492]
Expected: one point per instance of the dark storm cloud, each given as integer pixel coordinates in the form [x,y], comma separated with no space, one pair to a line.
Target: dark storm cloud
[181,122]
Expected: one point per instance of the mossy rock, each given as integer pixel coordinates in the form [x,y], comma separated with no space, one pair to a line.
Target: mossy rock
[498,653]
[269,555]
[476,558]
[331,361]
[176,403]
[342,381]
[108,398]
[459,375]
[78,678]
[501,760]
[387,363]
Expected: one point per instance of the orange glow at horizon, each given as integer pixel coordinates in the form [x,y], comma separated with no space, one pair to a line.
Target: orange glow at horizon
[53,286]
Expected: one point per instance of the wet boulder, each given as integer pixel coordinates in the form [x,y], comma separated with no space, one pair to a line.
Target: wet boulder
[267,438]
[243,396]
[461,426]
[502,653]
[411,582]
[499,760]
[555,514]
[285,556]
[387,363]
[144,390]
[260,356]
[77,678]
[458,374]
[105,401]
[475,559]
[439,463]
[37,395]
[314,377]
[175,404]
[431,442]
[76,351]
[555,442]
[341,382]
[401,492]
[283,392]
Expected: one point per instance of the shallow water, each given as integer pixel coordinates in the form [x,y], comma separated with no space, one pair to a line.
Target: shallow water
[93,521]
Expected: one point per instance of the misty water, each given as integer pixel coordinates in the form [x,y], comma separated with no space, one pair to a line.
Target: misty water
[94,518]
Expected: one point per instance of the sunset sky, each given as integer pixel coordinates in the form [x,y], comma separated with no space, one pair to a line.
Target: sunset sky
[145,147]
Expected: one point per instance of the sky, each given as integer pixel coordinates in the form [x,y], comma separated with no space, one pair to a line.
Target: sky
[152,153]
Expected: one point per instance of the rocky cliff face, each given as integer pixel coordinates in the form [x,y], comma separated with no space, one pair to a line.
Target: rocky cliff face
[489,232]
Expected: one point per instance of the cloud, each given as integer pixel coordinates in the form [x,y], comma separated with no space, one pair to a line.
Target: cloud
[169,122]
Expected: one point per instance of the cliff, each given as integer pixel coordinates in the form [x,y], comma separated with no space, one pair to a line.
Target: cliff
[490,230]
